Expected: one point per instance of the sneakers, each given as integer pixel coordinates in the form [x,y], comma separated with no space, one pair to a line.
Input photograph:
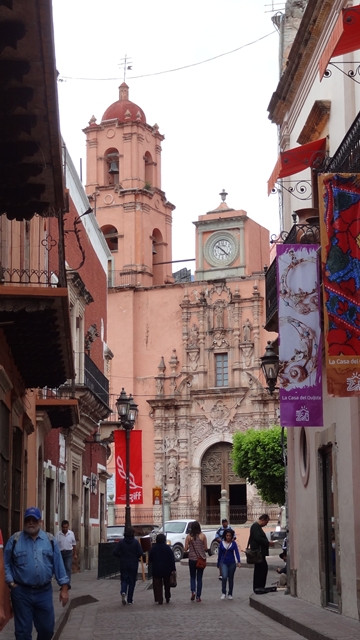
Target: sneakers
[192,596]
[198,599]
[223,597]
[220,578]
[123,598]
[230,597]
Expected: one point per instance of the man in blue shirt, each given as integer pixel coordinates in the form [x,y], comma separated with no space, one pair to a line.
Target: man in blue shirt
[32,557]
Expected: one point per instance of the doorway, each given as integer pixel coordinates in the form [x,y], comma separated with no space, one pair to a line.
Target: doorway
[217,474]
[329,529]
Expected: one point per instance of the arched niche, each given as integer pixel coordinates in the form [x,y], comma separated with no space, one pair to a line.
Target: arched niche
[157,257]
[111,236]
[111,166]
[149,170]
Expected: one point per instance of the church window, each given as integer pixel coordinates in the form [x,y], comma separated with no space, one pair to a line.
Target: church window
[221,370]
[112,166]
[111,236]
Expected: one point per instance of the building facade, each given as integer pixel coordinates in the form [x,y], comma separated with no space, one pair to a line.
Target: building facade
[316,108]
[189,352]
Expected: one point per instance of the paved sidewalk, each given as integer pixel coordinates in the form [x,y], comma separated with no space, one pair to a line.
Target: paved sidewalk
[95,612]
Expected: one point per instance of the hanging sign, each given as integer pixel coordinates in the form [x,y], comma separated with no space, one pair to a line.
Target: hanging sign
[135,476]
[300,366]
[157,495]
[339,196]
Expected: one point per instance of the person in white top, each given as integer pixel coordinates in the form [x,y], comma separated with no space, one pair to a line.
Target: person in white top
[67,544]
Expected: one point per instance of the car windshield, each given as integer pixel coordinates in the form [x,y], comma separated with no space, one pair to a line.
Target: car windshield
[115,531]
[174,527]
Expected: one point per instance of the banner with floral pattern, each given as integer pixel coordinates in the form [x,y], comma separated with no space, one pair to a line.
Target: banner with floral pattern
[339,196]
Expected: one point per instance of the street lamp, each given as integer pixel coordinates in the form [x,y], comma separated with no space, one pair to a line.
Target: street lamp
[127,411]
[270,366]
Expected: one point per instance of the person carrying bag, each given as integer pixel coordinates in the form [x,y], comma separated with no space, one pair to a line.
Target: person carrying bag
[196,545]
[259,544]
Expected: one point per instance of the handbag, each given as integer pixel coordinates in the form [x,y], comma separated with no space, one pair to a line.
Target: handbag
[173,580]
[200,562]
[253,556]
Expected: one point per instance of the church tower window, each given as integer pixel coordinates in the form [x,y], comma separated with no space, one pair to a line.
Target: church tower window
[111,167]
[111,236]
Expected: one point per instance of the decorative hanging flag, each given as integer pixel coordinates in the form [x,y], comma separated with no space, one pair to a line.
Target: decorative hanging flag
[135,476]
[339,196]
[300,366]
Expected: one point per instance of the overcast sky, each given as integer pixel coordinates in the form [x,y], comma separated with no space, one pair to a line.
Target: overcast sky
[213,115]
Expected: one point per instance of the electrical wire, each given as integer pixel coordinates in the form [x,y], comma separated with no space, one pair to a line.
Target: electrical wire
[158,73]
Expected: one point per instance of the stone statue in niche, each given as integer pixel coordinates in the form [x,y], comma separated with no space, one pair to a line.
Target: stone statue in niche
[172,469]
[158,474]
[248,352]
[219,315]
[247,330]
[194,336]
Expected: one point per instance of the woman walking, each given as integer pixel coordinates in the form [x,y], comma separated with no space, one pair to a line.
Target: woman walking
[228,559]
[163,564]
[129,551]
[196,545]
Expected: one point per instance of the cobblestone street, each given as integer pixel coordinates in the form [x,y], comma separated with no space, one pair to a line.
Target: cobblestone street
[211,618]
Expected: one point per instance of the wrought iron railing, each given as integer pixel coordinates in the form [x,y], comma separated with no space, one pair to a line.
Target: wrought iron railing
[123,279]
[95,380]
[347,156]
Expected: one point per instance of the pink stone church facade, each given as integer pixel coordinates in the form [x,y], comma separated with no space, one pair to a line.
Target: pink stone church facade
[188,351]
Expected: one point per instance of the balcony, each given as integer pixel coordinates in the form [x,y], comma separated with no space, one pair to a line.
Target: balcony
[60,405]
[95,380]
[298,234]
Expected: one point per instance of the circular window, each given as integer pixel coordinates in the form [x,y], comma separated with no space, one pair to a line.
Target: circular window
[304,453]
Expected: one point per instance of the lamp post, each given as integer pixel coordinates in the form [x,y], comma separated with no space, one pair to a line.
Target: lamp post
[127,411]
[270,366]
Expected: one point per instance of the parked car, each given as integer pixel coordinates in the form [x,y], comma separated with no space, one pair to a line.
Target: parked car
[115,532]
[176,532]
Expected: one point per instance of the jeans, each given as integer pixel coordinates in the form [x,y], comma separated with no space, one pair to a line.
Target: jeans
[227,572]
[260,574]
[33,606]
[128,575]
[67,558]
[196,576]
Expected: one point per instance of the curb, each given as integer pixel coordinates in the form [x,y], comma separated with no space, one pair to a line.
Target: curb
[299,627]
[63,618]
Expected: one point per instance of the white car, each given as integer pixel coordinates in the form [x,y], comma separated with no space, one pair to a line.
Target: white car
[176,532]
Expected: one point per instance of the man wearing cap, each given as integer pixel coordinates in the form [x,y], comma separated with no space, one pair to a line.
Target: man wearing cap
[32,557]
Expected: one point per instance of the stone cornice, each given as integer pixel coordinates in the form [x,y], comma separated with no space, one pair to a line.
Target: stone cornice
[311,28]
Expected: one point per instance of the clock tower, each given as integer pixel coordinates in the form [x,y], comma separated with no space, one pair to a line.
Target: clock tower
[229,244]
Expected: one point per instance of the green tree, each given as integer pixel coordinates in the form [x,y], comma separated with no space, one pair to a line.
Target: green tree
[258,457]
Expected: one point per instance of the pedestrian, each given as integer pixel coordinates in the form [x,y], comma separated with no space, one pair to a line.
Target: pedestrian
[220,534]
[67,545]
[32,557]
[129,551]
[196,545]
[228,559]
[258,540]
[163,564]
[282,571]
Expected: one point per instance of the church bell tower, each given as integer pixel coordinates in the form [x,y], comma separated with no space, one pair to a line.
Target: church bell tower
[123,183]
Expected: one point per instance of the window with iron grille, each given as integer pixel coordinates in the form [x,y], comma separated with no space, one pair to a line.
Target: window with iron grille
[221,370]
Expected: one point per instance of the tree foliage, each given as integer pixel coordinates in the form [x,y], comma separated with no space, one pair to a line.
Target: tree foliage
[258,457]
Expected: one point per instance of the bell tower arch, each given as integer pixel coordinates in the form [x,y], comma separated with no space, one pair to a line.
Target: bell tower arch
[123,179]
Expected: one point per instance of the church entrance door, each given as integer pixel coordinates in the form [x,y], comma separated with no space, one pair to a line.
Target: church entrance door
[217,474]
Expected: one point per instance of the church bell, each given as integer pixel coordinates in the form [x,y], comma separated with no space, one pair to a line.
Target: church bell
[113,168]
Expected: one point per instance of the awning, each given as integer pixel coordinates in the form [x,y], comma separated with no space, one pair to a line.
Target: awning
[344,38]
[298,159]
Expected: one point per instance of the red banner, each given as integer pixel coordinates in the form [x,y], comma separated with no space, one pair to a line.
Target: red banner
[136,489]
[339,196]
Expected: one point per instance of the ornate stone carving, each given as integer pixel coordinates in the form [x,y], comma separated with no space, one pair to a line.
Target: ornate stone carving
[159,382]
[186,383]
[219,414]
[219,340]
[193,355]
[247,352]
[158,473]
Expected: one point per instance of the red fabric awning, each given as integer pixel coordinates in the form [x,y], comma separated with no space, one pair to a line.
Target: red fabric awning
[345,37]
[298,159]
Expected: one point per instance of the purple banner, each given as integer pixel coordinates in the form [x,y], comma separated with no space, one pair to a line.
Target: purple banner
[300,371]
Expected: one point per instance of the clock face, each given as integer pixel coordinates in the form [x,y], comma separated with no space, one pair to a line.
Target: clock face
[222,250]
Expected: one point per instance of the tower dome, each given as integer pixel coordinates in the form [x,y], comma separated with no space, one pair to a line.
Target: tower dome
[123,109]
